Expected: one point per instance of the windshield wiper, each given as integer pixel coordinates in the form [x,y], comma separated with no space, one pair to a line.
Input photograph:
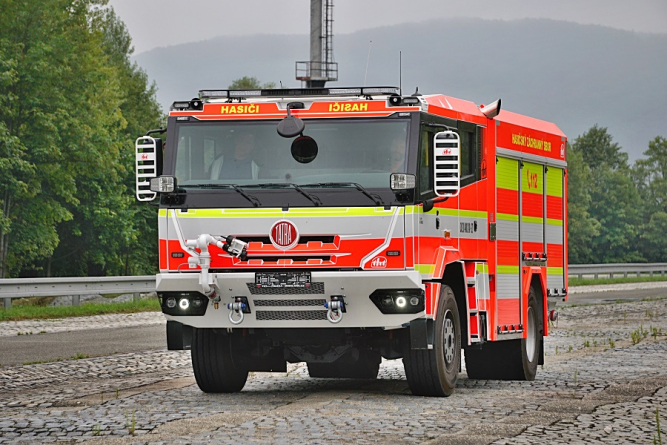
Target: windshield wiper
[312,198]
[255,202]
[376,199]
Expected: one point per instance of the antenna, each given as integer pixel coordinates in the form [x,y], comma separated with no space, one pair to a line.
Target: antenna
[367,60]
[400,73]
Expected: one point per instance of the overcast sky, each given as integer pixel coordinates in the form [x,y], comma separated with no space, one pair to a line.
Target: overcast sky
[154,23]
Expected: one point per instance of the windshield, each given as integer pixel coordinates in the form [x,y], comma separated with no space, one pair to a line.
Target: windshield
[363,152]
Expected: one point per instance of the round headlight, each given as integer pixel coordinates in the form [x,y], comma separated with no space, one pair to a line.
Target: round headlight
[171,302]
[184,304]
[401,302]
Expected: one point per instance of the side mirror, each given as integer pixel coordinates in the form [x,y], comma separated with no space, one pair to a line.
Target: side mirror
[148,155]
[290,126]
[446,163]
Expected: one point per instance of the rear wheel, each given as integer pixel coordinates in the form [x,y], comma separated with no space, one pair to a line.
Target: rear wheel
[433,372]
[213,362]
[509,359]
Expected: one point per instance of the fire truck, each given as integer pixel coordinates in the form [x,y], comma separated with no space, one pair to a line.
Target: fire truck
[341,226]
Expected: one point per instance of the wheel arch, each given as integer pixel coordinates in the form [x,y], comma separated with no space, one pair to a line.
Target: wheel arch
[537,280]
[454,277]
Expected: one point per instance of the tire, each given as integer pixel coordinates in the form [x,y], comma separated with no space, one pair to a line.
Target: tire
[434,372]
[213,362]
[366,367]
[509,359]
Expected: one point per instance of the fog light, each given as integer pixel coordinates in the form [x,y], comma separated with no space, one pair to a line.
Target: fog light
[387,300]
[414,301]
[401,302]
[171,302]
[184,304]
[197,303]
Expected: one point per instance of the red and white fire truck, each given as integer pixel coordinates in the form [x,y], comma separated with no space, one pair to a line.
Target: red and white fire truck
[340,226]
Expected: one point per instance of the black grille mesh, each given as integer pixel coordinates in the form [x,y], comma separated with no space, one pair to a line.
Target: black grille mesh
[290,315]
[275,303]
[315,288]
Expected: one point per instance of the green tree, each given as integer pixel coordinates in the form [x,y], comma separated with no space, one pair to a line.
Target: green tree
[71,105]
[614,206]
[250,83]
[582,227]
[598,149]
[650,176]
[113,233]
[51,76]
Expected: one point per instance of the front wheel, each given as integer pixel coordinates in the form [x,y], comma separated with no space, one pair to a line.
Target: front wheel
[214,364]
[434,372]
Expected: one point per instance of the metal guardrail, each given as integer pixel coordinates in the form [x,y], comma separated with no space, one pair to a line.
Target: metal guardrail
[609,270]
[77,286]
[74,286]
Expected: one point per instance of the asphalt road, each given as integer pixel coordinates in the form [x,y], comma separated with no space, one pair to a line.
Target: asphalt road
[100,342]
[94,342]
[615,296]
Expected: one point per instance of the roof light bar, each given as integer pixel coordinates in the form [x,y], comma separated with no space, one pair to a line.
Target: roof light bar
[245,93]
[380,90]
[285,92]
[213,94]
[344,91]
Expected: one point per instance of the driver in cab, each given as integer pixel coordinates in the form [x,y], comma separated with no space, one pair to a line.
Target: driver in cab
[238,165]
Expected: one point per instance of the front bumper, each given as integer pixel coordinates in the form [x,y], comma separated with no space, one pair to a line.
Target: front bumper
[287,308]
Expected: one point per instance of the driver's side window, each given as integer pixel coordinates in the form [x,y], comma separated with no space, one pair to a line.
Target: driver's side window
[425,180]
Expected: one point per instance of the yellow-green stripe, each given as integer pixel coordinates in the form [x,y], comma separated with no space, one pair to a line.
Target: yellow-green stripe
[507,269]
[555,182]
[279,213]
[425,268]
[507,173]
[532,178]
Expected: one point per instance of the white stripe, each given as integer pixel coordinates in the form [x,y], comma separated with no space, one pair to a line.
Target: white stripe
[387,240]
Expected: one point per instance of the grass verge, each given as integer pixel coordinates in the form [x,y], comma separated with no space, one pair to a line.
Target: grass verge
[573,281]
[16,312]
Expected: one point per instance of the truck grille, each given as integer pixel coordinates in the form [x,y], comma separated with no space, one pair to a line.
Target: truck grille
[276,303]
[290,315]
[315,288]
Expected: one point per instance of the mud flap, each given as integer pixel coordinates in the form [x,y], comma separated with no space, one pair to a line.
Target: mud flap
[540,360]
[179,336]
[421,334]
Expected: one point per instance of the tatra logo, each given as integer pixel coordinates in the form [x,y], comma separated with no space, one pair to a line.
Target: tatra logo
[466,227]
[284,235]
[379,262]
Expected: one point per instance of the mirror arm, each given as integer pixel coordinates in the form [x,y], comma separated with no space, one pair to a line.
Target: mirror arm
[430,203]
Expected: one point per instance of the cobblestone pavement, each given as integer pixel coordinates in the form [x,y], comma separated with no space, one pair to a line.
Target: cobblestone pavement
[605,376]
[29,327]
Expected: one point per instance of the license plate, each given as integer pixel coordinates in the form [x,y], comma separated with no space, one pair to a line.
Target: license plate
[282,279]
